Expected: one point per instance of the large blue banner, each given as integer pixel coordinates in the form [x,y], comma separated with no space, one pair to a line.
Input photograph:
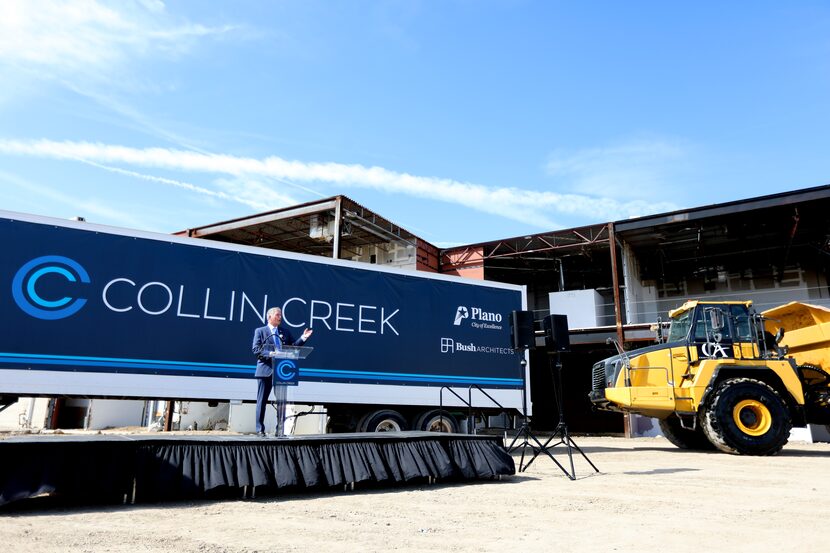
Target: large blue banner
[84,300]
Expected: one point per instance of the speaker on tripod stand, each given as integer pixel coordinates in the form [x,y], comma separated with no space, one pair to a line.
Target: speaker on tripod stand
[521,330]
[523,337]
[558,341]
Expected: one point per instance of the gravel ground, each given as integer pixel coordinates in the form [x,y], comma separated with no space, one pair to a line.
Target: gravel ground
[649,496]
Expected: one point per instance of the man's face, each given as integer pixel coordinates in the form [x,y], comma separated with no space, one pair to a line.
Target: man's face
[276,318]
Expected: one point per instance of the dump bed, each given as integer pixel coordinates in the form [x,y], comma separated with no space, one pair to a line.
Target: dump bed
[806,331]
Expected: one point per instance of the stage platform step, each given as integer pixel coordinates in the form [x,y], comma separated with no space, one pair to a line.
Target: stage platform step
[130,468]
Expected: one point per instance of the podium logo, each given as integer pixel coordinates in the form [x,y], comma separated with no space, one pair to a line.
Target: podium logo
[286,371]
[32,301]
[460,314]
[447,345]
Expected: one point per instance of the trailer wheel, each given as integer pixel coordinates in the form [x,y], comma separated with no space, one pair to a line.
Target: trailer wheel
[684,438]
[747,417]
[385,420]
[436,420]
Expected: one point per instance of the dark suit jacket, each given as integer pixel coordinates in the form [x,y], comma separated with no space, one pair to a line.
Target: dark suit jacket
[264,343]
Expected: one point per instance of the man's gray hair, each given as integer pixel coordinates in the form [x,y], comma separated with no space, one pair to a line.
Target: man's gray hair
[272,311]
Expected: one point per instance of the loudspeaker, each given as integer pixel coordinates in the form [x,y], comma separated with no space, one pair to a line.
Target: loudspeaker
[521,330]
[557,338]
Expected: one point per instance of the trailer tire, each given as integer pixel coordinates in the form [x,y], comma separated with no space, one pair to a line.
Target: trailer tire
[746,417]
[684,438]
[384,420]
[436,420]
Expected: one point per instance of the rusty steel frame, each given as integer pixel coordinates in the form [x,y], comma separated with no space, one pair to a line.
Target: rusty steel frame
[562,240]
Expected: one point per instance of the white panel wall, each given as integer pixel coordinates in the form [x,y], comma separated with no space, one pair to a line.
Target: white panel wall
[583,307]
[115,413]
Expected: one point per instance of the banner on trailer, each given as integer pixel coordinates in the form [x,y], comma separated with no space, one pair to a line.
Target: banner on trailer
[83,300]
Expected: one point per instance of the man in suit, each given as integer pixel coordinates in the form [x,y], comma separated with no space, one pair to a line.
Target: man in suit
[268,338]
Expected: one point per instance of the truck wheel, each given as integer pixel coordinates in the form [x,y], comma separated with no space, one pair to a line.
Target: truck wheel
[384,420]
[684,438]
[747,417]
[436,421]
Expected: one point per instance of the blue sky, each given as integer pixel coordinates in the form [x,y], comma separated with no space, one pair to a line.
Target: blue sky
[462,121]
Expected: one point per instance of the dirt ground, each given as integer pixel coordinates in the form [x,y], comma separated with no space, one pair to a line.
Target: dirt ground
[649,496]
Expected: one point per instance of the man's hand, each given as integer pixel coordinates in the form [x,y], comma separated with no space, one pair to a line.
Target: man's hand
[306,333]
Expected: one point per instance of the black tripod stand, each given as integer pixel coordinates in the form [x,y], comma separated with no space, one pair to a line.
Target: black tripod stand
[524,438]
[561,431]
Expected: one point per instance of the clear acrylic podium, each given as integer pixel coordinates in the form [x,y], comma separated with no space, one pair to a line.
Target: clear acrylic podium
[286,373]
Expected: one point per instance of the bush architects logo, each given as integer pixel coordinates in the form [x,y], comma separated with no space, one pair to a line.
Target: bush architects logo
[25,293]
[448,345]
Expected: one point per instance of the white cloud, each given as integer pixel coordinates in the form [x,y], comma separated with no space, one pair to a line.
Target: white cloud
[90,40]
[538,208]
[257,193]
[250,193]
[95,49]
[641,169]
[80,206]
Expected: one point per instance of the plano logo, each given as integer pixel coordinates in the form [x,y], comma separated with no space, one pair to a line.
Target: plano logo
[480,315]
[479,318]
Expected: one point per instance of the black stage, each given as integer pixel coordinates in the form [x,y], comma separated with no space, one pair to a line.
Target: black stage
[118,468]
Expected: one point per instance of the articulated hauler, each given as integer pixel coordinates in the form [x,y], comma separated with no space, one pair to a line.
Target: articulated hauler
[726,377]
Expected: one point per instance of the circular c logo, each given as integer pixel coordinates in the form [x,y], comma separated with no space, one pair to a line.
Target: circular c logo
[286,370]
[24,287]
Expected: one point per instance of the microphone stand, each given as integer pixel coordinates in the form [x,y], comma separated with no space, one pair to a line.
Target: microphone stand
[278,389]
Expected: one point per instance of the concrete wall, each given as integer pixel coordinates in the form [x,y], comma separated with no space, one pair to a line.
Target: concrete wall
[197,415]
[114,413]
[795,284]
[393,254]
[640,304]
[242,418]
[28,413]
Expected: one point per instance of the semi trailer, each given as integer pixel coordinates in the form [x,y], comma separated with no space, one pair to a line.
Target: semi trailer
[91,311]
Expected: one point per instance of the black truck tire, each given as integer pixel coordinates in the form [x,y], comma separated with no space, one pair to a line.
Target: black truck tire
[684,438]
[436,420]
[746,417]
[384,420]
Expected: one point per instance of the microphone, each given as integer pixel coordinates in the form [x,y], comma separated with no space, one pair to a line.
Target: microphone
[270,347]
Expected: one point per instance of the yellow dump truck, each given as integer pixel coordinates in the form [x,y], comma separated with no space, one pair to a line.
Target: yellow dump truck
[726,377]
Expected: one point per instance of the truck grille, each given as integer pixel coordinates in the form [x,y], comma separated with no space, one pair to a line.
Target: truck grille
[598,377]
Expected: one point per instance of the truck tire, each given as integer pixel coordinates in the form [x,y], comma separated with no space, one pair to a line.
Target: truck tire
[436,420]
[747,417]
[684,438]
[384,420]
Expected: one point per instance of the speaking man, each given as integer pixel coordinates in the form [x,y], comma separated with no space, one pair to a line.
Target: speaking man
[268,338]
